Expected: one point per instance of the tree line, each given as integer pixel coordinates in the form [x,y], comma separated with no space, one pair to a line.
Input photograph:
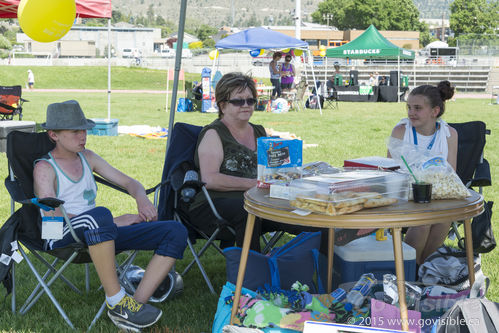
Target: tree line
[468,18]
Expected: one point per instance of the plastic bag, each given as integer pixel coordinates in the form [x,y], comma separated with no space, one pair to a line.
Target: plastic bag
[429,167]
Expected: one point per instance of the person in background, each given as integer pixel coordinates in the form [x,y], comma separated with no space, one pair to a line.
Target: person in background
[424,127]
[275,74]
[66,173]
[287,73]
[31,79]
[372,80]
[383,82]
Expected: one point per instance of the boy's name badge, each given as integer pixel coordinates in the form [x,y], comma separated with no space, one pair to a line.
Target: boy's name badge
[52,227]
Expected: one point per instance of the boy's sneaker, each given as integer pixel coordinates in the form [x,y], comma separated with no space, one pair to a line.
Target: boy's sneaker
[131,315]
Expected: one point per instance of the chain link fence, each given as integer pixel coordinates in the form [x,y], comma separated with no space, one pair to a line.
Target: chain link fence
[478,45]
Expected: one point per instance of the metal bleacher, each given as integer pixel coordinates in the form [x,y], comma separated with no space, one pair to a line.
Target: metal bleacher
[466,78]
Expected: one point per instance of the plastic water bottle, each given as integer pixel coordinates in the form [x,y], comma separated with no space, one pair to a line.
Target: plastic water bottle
[338,295]
[360,290]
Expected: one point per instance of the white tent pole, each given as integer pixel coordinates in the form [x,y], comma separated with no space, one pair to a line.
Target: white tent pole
[298,20]
[398,78]
[109,68]
[414,71]
[178,63]
[212,76]
[311,62]
[325,69]
[167,86]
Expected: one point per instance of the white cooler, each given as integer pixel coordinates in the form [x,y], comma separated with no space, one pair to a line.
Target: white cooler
[367,255]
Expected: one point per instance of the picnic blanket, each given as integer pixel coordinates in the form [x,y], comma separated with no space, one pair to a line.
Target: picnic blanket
[144,131]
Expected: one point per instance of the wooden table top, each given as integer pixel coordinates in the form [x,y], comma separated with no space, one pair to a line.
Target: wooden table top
[402,214]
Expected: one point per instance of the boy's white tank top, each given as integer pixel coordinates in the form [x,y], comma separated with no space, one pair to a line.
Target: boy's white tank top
[79,196]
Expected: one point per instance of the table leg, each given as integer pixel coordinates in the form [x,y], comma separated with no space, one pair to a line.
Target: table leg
[399,269]
[330,256]
[248,233]
[468,243]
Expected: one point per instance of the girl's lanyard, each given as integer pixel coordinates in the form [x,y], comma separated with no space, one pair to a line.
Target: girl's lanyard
[430,145]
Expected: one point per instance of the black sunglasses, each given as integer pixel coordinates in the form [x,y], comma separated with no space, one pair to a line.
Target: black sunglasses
[241,101]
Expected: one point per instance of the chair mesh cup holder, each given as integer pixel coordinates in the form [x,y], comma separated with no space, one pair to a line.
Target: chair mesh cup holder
[171,286]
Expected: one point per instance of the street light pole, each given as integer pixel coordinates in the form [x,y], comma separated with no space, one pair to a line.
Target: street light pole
[327,17]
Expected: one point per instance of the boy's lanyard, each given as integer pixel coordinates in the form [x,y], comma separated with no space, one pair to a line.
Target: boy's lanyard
[430,145]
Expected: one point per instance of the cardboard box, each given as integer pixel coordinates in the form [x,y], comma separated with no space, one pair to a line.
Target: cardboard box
[278,160]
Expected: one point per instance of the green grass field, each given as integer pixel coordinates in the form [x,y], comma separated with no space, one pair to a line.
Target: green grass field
[353,130]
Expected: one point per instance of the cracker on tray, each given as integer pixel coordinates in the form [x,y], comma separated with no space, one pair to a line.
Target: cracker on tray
[342,202]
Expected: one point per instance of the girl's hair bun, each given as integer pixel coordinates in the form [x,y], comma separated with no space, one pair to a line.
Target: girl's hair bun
[446,90]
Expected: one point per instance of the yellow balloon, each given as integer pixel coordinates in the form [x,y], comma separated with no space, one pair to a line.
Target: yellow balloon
[46,21]
[285,51]
[213,54]
[322,53]
[262,51]
[298,52]
[322,48]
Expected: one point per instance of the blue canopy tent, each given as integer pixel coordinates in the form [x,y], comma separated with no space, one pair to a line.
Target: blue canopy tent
[261,38]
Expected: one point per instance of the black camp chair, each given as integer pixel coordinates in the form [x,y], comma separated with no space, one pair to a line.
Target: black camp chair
[173,201]
[11,102]
[24,226]
[472,167]
[179,160]
[331,95]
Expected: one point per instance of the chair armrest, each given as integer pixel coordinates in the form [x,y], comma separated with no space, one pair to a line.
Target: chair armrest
[8,107]
[482,175]
[15,190]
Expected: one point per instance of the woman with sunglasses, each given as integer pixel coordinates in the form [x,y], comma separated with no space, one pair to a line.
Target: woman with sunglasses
[226,156]
[287,73]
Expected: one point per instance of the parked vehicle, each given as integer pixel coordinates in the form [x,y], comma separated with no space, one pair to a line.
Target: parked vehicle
[168,53]
[261,61]
[127,53]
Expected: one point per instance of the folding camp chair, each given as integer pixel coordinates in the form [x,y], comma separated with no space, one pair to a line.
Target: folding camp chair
[296,95]
[193,93]
[178,174]
[11,102]
[179,160]
[331,96]
[472,167]
[24,226]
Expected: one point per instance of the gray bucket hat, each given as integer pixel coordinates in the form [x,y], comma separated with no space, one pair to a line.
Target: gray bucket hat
[66,116]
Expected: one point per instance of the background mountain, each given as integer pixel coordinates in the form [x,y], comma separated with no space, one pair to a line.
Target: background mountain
[217,13]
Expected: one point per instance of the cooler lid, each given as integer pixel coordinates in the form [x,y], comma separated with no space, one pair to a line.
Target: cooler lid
[369,249]
[7,126]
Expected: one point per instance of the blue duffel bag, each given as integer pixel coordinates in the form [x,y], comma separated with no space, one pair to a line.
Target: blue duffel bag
[296,260]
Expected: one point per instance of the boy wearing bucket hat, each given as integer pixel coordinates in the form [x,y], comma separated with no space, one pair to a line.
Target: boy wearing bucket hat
[67,173]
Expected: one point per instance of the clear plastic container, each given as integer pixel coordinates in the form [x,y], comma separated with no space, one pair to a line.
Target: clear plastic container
[348,191]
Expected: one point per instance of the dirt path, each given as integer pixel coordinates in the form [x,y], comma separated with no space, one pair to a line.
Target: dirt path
[121,91]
